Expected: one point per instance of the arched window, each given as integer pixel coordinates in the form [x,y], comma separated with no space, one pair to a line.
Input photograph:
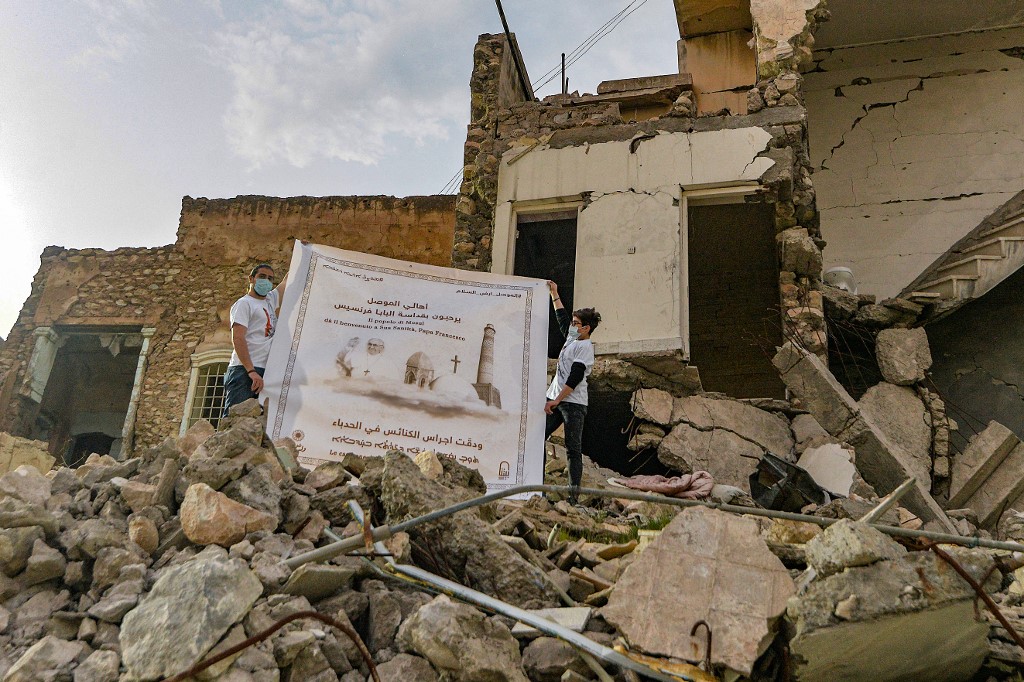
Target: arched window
[205,398]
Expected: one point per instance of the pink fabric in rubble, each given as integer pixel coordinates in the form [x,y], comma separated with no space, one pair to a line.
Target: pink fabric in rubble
[695,486]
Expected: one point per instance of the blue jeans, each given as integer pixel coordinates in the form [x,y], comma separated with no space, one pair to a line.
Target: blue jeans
[572,415]
[238,386]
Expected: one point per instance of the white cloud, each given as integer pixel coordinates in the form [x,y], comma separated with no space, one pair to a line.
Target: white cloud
[120,31]
[347,81]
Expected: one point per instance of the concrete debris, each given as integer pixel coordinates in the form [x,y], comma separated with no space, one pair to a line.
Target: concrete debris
[831,466]
[903,355]
[985,452]
[899,413]
[881,462]
[705,565]
[846,544]
[909,617]
[132,570]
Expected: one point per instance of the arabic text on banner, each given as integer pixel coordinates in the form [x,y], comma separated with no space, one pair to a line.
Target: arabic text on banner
[373,354]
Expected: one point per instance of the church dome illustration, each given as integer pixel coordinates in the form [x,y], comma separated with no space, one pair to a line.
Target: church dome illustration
[454,387]
[419,369]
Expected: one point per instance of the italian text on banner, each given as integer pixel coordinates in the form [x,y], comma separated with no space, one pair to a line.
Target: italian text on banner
[373,354]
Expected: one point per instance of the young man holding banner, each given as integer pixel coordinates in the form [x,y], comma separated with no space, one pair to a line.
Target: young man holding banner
[567,395]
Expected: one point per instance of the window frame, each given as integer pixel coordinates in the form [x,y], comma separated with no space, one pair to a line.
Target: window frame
[199,361]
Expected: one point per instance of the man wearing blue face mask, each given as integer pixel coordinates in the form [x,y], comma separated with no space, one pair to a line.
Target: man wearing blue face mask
[567,395]
[253,321]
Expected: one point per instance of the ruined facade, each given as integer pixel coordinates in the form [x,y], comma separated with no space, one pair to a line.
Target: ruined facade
[114,350]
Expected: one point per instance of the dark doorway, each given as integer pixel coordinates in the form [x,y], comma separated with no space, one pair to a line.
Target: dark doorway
[735,321]
[546,249]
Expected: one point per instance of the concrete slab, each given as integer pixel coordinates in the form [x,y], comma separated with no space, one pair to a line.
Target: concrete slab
[705,565]
[983,454]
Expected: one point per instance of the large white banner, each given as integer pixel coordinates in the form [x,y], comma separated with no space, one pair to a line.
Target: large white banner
[373,354]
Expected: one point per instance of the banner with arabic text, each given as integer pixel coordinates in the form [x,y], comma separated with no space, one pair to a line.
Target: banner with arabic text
[373,354]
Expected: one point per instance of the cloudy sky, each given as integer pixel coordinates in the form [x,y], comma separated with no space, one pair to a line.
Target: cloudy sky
[112,110]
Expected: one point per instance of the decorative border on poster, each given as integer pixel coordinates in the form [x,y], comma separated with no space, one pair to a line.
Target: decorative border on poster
[527,327]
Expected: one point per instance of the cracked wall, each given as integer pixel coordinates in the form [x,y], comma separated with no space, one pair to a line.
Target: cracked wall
[913,144]
[978,360]
[634,191]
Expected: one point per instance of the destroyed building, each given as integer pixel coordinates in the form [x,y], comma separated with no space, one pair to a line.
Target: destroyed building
[806,248]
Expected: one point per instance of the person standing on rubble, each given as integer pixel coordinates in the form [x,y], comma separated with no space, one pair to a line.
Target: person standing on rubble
[567,395]
[253,321]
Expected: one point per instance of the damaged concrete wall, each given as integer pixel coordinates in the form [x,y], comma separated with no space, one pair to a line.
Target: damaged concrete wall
[184,291]
[633,195]
[913,144]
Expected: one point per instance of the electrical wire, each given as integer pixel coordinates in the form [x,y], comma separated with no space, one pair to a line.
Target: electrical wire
[618,19]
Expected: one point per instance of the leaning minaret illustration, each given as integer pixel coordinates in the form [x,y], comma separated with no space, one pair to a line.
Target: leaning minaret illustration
[485,371]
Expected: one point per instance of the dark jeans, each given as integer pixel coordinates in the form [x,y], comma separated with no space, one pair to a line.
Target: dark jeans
[238,386]
[572,415]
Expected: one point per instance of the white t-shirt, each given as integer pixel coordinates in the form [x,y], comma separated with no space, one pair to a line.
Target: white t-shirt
[573,351]
[260,321]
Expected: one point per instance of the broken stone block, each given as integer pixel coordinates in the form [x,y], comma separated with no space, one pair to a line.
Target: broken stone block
[574,618]
[768,430]
[900,414]
[798,253]
[100,666]
[831,467]
[726,456]
[196,435]
[652,405]
[903,355]
[429,464]
[462,642]
[143,532]
[46,563]
[705,565]
[317,581]
[983,455]
[839,304]
[326,475]
[1003,488]
[44,660]
[882,464]
[189,609]
[16,451]
[912,618]
[137,495]
[26,484]
[545,659]
[807,432]
[847,543]
[406,668]
[212,518]
[16,547]
[473,550]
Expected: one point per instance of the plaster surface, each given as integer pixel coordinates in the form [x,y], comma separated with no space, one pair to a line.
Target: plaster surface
[631,192]
[913,144]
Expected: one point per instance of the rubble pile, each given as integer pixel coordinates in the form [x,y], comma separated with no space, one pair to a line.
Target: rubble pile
[136,570]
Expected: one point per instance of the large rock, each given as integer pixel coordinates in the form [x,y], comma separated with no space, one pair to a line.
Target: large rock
[472,551]
[705,565]
[767,430]
[881,462]
[406,668]
[906,619]
[726,456]
[546,659]
[903,355]
[212,518]
[900,414]
[100,666]
[982,456]
[45,661]
[191,606]
[26,484]
[16,547]
[653,405]
[15,452]
[798,253]
[462,642]
[847,543]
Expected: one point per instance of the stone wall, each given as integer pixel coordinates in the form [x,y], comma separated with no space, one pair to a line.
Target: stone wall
[513,138]
[913,144]
[184,291]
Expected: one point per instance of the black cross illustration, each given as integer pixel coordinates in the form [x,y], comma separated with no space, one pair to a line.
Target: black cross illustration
[457,362]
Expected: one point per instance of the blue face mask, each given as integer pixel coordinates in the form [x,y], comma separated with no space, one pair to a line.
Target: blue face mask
[262,287]
[574,333]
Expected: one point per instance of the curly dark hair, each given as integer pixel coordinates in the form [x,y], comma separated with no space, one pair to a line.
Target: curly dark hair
[588,317]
